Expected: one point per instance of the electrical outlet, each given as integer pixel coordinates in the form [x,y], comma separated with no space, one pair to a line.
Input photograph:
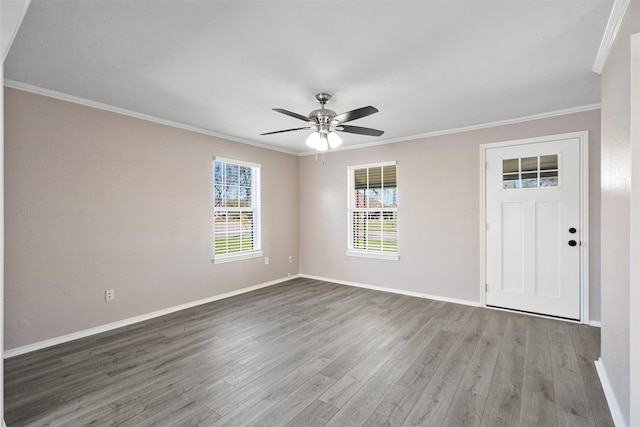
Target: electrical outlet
[290,259]
[109,295]
[266,260]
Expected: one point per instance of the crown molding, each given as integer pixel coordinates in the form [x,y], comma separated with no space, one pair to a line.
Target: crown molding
[608,38]
[580,109]
[94,104]
[106,107]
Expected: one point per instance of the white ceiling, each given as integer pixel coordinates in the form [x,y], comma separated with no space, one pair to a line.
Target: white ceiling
[221,66]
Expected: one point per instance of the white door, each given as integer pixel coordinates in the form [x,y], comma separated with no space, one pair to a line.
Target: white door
[533,235]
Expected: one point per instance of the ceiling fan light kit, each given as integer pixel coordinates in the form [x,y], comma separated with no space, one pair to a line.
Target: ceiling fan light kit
[322,141]
[325,123]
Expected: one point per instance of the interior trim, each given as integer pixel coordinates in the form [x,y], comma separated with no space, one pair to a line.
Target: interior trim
[608,38]
[89,103]
[106,107]
[550,114]
[136,319]
[583,136]
[392,290]
[634,318]
[612,401]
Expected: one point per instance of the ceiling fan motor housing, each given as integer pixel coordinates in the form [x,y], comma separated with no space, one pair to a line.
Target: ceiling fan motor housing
[322,115]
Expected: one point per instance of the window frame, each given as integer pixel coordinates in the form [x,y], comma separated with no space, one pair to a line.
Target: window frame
[351,208]
[255,208]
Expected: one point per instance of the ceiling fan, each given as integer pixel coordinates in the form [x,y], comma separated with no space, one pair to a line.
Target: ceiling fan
[326,123]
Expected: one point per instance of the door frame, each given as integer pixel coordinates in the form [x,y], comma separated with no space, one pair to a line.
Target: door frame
[583,137]
[634,291]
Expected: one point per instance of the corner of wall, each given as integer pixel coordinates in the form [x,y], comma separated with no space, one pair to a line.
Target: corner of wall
[614,405]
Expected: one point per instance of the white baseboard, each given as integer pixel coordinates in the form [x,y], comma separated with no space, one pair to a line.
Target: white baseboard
[595,323]
[130,321]
[614,406]
[392,290]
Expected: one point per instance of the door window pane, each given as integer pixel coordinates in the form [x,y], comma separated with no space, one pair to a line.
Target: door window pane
[528,164]
[511,181]
[529,180]
[530,172]
[549,162]
[510,166]
[549,179]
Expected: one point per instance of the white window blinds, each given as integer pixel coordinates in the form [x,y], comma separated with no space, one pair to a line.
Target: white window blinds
[373,210]
[236,210]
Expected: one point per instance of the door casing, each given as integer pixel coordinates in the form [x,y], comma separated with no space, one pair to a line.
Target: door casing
[583,137]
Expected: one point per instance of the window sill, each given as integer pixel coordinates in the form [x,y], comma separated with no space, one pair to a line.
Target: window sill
[221,259]
[389,256]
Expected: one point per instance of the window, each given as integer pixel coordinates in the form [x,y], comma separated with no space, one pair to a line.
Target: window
[530,172]
[373,211]
[236,210]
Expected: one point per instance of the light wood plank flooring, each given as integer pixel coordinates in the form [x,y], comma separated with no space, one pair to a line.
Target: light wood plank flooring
[312,353]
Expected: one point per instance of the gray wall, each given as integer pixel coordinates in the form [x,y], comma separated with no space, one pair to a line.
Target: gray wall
[616,197]
[97,200]
[439,210]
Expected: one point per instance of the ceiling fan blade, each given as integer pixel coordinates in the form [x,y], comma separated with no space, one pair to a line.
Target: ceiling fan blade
[292,114]
[286,130]
[359,130]
[355,114]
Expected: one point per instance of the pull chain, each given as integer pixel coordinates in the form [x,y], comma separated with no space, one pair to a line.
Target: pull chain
[322,157]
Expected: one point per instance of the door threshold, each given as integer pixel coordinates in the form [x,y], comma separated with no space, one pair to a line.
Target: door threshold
[531,313]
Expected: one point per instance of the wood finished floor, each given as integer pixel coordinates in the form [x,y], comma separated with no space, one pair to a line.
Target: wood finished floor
[312,353]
